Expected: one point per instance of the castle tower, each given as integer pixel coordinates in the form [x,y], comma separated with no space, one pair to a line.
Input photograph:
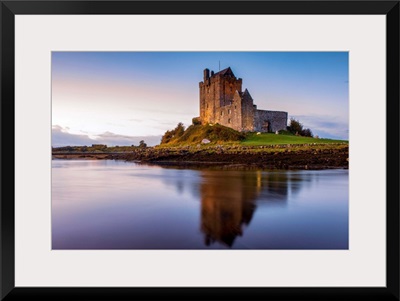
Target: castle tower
[222,101]
[217,90]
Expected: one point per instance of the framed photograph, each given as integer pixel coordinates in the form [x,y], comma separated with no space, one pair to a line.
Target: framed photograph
[190,150]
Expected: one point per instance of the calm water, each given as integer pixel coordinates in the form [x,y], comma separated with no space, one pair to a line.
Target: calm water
[109,204]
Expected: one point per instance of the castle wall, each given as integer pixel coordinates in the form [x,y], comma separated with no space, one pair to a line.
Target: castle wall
[231,115]
[270,121]
[247,113]
[227,88]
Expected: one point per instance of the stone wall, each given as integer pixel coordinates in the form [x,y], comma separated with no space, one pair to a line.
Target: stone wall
[270,121]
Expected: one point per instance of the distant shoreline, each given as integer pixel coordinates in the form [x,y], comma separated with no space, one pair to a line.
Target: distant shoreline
[305,156]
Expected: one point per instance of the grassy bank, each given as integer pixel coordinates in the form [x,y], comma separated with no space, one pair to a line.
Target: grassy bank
[252,139]
[220,135]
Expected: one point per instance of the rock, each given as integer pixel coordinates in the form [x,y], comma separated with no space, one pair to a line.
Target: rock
[258,133]
[277,132]
[205,141]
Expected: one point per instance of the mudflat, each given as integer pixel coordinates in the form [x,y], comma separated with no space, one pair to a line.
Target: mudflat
[306,156]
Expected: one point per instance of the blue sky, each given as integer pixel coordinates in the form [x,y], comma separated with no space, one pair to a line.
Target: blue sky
[120,98]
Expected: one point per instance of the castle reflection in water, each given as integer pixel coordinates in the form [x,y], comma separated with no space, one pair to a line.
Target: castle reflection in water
[230,199]
[227,204]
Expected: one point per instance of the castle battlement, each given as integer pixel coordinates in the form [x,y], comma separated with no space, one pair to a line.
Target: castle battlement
[223,101]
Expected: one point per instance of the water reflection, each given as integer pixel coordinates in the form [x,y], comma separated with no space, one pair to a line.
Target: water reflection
[117,205]
[228,200]
[229,197]
[227,204]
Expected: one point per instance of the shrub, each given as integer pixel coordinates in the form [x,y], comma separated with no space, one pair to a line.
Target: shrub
[177,132]
[167,137]
[296,128]
[306,133]
[196,121]
[283,132]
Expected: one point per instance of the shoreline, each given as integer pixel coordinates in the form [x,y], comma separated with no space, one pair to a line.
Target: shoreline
[313,156]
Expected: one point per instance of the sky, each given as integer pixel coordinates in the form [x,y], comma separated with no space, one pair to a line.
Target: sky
[120,98]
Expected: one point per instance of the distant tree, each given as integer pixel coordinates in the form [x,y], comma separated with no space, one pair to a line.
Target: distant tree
[306,133]
[296,128]
[142,144]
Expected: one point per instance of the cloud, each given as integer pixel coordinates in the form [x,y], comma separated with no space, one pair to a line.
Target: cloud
[135,120]
[116,139]
[325,126]
[61,137]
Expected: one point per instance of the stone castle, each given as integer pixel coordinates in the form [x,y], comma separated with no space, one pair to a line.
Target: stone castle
[223,101]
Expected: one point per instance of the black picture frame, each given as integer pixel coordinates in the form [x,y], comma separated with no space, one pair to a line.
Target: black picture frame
[11,8]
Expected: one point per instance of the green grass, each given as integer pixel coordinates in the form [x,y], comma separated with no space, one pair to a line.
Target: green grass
[219,134]
[252,139]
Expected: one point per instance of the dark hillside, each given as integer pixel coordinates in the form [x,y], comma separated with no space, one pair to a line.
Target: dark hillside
[194,134]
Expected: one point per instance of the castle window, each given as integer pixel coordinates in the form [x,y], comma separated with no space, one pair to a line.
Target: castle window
[229,111]
[207,106]
[235,107]
[229,120]
[222,113]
